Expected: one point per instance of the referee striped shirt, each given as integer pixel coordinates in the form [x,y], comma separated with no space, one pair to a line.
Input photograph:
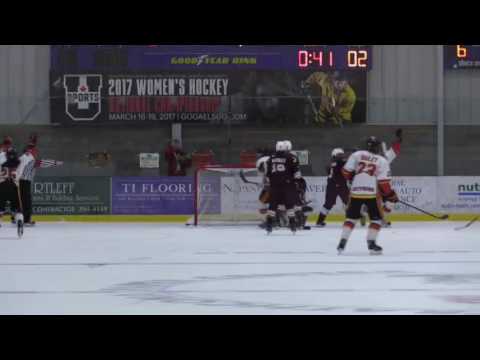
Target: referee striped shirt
[28,165]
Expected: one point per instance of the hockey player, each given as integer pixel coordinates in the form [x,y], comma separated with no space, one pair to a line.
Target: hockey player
[320,86]
[282,171]
[9,187]
[29,162]
[7,144]
[390,155]
[370,174]
[336,185]
[346,100]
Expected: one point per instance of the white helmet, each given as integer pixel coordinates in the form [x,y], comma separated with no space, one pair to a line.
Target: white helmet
[281,146]
[261,164]
[337,152]
[289,145]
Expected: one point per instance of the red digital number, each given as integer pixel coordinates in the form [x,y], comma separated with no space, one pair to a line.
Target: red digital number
[331,58]
[303,59]
[318,57]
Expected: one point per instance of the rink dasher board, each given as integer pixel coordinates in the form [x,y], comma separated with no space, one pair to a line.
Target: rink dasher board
[452,195]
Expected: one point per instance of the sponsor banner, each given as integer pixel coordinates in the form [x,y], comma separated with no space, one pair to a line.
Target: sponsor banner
[459,194]
[71,195]
[238,197]
[418,191]
[152,195]
[210,194]
[174,195]
[232,97]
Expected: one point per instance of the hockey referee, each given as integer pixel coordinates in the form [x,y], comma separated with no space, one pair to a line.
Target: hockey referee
[30,163]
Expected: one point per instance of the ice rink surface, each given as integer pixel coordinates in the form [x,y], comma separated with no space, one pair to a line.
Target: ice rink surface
[66,268]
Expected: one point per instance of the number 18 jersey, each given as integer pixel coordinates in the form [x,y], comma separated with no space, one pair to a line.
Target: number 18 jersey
[369,170]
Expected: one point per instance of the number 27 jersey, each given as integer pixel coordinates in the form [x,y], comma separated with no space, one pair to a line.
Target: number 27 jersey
[369,169]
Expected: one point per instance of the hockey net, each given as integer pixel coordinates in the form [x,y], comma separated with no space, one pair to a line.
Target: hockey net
[227,195]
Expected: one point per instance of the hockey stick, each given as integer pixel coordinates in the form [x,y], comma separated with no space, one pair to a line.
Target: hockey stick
[443,217]
[20,205]
[468,225]
[246,181]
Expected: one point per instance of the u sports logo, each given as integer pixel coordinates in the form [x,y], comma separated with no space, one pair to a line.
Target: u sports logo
[83,96]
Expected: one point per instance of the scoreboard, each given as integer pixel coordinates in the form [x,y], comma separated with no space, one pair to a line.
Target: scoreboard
[461,57]
[141,58]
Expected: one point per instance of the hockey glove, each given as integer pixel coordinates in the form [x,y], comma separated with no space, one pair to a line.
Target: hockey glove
[392,197]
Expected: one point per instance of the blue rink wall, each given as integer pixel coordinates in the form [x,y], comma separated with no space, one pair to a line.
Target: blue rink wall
[171,199]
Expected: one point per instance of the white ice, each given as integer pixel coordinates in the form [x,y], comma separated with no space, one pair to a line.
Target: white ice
[427,268]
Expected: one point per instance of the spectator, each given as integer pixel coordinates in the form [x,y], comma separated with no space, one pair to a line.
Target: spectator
[177,160]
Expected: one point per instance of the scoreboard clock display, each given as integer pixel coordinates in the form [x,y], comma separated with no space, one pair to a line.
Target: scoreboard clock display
[335,58]
[461,57]
[121,58]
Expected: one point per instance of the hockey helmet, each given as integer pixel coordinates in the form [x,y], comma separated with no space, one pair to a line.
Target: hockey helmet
[373,145]
[281,146]
[288,144]
[12,154]
[338,152]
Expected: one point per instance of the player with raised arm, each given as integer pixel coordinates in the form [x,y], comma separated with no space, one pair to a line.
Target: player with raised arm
[370,174]
[390,155]
[282,171]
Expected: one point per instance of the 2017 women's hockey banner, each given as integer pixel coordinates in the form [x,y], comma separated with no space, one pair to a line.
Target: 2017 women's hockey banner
[234,97]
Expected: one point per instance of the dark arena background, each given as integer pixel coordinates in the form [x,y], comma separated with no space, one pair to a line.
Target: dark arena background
[131,143]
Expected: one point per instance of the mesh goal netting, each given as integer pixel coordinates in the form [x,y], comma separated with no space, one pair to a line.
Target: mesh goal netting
[227,196]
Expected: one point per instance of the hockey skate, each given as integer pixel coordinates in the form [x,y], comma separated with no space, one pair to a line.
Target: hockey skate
[19,221]
[269,225]
[374,248]
[363,221]
[292,225]
[321,221]
[386,223]
[341,247]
